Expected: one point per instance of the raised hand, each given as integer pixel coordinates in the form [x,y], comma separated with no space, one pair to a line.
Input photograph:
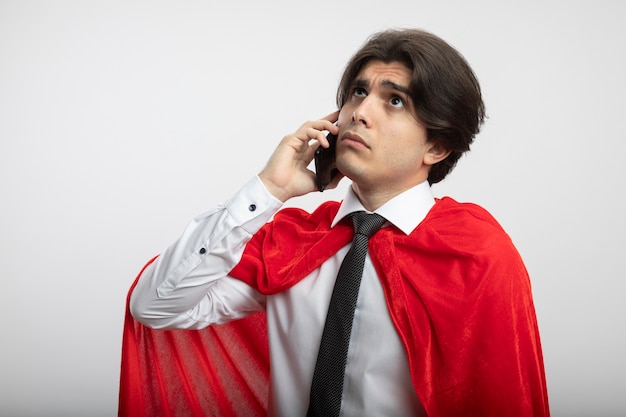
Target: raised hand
[286,173]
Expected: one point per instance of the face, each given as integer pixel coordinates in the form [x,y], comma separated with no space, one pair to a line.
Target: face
[382,147]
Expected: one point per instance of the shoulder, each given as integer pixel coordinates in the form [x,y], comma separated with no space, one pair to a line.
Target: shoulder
[448,213]
[298,218]
[464,226]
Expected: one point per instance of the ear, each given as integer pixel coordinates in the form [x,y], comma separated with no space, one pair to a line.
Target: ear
[435,152]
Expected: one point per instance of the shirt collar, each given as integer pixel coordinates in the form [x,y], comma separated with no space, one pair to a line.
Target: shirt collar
[405,211]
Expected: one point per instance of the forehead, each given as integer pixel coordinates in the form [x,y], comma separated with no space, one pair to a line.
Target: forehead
[376,72]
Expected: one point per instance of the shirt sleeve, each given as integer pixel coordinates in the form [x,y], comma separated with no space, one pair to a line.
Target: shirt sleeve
[187,286]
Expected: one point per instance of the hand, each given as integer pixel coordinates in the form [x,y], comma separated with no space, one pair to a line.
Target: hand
[286,174]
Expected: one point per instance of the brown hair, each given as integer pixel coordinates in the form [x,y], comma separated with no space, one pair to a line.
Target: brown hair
[444,90]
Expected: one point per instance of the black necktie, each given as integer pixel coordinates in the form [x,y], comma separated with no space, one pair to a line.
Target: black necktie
[330,367]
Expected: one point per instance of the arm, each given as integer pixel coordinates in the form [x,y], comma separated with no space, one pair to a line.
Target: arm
[188,285]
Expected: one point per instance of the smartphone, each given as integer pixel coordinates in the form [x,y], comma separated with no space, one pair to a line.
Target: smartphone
[325,166]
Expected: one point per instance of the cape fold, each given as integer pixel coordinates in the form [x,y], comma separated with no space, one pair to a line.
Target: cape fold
[217,371]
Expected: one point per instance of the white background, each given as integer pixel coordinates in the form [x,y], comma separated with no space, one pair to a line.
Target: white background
[121,120]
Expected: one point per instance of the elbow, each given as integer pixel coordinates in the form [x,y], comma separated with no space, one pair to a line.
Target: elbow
[150,313]
[137,308]
[142,300]
[141,311]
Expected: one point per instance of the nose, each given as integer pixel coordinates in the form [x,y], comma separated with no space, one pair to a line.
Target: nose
[360,114]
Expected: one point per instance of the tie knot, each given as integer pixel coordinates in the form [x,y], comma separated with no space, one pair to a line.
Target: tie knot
[367,224]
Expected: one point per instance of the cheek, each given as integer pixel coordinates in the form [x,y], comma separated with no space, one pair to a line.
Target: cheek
[345,115]
[404,157]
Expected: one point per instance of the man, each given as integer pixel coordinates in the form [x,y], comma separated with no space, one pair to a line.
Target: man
[444,322]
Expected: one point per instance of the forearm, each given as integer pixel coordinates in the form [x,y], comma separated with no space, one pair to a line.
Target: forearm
[188,285]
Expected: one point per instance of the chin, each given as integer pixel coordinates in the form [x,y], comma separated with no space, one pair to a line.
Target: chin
[353,172]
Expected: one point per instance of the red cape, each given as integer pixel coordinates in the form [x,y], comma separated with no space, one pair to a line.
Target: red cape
[217,371]
[458,293]
[457,290]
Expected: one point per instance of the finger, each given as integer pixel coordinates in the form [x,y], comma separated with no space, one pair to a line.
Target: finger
[325,123]
[317,135]
[309,153]
[333,117]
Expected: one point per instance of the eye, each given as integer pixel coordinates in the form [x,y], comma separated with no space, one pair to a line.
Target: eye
[359,92]
[396,101]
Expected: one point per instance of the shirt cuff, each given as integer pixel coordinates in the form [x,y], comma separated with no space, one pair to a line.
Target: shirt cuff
[253,205]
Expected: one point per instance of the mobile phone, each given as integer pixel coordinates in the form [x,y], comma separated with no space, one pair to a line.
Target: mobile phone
[325,165]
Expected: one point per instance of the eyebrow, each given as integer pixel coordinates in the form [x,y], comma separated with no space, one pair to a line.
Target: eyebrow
[363,83]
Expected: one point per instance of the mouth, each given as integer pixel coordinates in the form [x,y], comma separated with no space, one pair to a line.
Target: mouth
[353,139]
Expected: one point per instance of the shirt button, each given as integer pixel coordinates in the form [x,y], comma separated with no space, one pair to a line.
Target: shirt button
[202,251]
[252,207]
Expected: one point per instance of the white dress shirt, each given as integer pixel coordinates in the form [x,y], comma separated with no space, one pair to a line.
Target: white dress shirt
[188,287]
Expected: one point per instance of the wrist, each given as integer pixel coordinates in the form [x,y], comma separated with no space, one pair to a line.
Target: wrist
[280,193]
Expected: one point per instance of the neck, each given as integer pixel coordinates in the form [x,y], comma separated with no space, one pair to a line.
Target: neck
[376,197]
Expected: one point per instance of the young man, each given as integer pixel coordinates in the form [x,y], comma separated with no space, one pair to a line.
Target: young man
[444,323]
